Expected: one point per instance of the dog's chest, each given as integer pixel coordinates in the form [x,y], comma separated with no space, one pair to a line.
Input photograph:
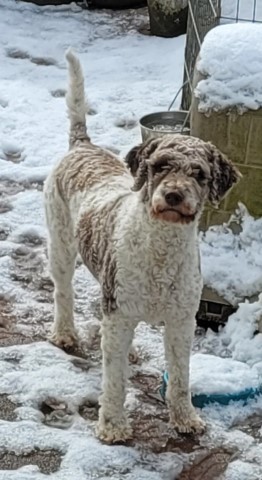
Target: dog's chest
[157,276]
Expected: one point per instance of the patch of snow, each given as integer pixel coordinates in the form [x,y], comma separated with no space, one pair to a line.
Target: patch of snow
[238,335]
[239,470]
[231,61]
[238,339]
[59,377]
[232,263]
[213,375]
[9,148]
[20,173]
[27,205]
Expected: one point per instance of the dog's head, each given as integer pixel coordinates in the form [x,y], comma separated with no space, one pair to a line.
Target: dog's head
[177,174]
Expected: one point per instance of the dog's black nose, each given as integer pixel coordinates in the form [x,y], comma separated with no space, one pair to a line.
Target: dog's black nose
[174,198]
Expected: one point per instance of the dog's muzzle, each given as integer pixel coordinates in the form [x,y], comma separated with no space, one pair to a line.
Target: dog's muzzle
[172,206]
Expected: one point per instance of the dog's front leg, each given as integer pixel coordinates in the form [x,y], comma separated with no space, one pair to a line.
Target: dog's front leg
[117,335]
[178,343]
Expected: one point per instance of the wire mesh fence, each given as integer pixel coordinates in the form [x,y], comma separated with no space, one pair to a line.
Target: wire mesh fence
[204,15]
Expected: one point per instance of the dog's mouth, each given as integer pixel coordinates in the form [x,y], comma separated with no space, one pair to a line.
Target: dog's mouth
[173,215]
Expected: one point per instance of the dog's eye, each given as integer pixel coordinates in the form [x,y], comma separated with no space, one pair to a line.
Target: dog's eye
[199,175]
[159,167]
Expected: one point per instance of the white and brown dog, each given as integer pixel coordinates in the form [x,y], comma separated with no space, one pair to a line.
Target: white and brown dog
[137,234]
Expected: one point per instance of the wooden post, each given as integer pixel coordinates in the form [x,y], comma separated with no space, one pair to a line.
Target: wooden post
[168,18]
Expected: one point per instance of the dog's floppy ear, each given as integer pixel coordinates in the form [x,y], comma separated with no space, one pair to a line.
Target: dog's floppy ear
[136,161]
[132,159]
[223,174]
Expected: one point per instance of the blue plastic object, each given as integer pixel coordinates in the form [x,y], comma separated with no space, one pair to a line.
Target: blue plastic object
[202,399]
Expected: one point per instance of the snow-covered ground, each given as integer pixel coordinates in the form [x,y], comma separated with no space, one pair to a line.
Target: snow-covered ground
[232,264]
[127,75]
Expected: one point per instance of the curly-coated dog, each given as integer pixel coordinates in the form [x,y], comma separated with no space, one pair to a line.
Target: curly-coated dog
[137,234]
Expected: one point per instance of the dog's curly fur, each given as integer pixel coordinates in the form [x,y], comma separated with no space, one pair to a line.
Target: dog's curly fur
[137,234]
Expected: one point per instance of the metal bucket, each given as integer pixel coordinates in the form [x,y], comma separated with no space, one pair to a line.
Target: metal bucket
[158,124]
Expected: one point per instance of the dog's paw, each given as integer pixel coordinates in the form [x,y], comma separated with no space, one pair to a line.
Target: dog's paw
[110,432]
[64,339]
[188,424]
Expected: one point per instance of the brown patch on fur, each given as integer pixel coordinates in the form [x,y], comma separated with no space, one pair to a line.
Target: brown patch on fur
[89,242]
[95,233]
[86,166]
[140,152]
[224,174]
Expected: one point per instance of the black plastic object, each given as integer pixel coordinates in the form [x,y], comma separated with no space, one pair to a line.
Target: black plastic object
[116,4]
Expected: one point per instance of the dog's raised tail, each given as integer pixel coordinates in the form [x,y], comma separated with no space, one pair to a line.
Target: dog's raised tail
[75,100]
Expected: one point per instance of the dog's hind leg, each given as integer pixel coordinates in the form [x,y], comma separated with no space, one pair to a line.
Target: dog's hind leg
[62,252]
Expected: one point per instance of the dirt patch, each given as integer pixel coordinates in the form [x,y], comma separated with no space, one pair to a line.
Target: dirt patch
[8,339]
[17,53]
[7,409]
[82,363]
[29,268]
[87,352]
[8,188]
[153,433]
[56,413]
[126,123]
[89,411]
[144,29]
[128,20]
[14,157]
[208,465]
[5,206]
[6,316]
[48,461]
[28,239]
[152,430]
[43,61]
[58,93]
[8,324]
[4,232]
[12,153]
[251,426]
[145,384]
